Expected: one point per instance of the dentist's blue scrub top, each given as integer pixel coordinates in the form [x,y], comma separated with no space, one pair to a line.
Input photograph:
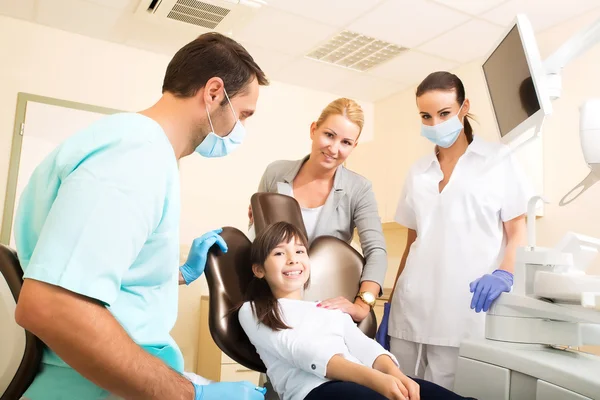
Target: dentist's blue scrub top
[100,217]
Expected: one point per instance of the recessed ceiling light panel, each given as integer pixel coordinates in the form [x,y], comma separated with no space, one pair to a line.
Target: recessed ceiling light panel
[355,51]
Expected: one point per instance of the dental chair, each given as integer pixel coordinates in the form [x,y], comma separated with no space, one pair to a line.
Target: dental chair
[20,351]
[336,269]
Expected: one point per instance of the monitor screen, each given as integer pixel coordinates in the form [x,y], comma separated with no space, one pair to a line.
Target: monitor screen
[510,85]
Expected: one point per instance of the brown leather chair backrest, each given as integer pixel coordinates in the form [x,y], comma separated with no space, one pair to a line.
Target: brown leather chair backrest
[268,208]
[31,356]
[228,275]
[336,271]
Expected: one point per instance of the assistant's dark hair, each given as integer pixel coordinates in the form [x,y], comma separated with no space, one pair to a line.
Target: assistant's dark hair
[442,80]
[211,55]
[258,293]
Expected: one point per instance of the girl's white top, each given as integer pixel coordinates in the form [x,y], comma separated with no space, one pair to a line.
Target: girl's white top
[296,359]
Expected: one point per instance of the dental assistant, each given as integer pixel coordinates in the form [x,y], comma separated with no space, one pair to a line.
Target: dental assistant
[464,205]
[97,233]
[335,200]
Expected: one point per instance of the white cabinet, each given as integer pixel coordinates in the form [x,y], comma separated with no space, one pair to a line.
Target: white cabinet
[548,391]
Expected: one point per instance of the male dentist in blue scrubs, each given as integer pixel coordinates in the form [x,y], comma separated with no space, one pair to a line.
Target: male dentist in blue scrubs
[97,233]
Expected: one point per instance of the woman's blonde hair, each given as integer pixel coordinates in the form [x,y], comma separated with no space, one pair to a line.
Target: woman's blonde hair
[347,108]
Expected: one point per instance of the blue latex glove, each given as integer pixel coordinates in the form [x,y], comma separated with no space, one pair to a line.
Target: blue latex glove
[488,288]
[382,336]
[196,261]
[229,391]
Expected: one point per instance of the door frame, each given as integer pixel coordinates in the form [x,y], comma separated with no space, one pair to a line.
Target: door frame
[17,144]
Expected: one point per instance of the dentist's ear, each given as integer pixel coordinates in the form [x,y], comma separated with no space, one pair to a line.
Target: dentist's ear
[258,271]
[212,90]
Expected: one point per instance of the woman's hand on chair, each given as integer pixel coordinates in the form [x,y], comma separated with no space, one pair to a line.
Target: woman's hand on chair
[356,311]
[250,218]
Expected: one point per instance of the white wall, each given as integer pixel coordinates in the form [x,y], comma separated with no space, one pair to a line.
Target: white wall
[216,192]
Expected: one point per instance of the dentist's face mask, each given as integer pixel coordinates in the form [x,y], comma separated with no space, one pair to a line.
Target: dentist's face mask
[214,145]
[445,133]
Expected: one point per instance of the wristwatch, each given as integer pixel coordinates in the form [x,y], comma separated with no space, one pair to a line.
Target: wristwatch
[367,297]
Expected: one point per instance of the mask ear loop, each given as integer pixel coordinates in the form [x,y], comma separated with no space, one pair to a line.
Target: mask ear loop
[460,108]
[212,128]
[235,117]
[230,105]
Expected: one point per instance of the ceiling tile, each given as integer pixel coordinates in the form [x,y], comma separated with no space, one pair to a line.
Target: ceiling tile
[118,4]
[314,74]
[78,16]
[331,12]
[473,7]
[465,43]
[408,23]
[270,61]
[145,35]
[284,32]
[543,14]
[368,88]
[412,67]
[23,9]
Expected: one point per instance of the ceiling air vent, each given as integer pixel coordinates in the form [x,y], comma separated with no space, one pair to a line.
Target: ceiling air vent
[196,17]
[355,51]
[198,13]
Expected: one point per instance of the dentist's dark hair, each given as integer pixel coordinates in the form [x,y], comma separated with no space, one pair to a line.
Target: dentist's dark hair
[212,55]
[446,81]
[258,293]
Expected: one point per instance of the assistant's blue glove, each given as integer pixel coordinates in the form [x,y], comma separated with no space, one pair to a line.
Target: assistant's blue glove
[382,336]
[488,288]
[196,261]
[229,391]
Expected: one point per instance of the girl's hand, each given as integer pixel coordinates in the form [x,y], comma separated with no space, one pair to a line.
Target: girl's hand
[414,391]
[389,386]
[357,312]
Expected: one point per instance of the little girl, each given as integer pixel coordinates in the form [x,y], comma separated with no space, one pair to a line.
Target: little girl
[310,352]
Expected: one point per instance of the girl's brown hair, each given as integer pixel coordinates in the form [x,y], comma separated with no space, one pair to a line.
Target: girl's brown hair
[258,293]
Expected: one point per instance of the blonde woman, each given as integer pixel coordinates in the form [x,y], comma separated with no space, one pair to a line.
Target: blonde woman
[335,200]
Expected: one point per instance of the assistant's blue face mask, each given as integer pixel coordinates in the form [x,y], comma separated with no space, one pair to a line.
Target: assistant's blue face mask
[214,145]
[445,133]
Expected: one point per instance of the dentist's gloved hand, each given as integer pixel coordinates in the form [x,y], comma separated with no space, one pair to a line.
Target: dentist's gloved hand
[196,262]
[488,288]
[382,336]
[229,391]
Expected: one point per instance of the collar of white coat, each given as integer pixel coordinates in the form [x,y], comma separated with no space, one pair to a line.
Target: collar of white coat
[478,147]
[338,179]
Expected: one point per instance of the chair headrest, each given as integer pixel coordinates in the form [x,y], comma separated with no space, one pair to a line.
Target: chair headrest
[268,208]
[335,270]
